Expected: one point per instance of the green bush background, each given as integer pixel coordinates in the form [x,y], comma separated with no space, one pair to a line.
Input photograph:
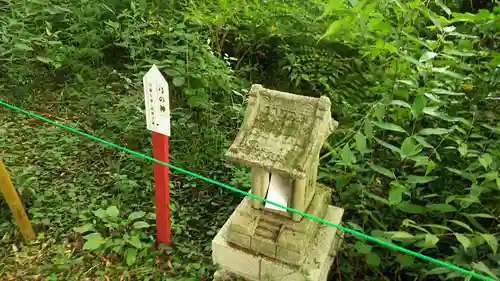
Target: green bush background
[414,85]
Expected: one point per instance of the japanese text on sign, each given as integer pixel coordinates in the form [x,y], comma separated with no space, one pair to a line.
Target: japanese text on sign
[156,100]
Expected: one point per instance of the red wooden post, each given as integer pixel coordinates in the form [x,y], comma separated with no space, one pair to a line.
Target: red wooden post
[158,121]
[162,188]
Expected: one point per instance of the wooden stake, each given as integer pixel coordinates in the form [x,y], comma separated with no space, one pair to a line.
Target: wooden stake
[162,189]
[15,204]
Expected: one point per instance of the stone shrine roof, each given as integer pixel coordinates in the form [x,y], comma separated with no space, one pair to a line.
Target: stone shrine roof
[282,132]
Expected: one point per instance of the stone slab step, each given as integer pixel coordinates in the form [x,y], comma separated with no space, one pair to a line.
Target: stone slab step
[266,233]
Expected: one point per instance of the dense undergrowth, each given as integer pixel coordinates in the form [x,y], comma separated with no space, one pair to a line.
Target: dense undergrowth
[415,161]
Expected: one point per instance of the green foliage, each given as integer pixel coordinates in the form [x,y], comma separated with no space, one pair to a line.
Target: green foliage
[414,85]
[434,141]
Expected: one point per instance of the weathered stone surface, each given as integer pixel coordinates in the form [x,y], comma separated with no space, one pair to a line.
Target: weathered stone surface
[244,223]
[265,232]
[318,261]
[327,235]
[239,239]
[316,266]
[293,241]
[291,257]
[317,208]
[282,132]
[263,246]
[235,260]
[224,275]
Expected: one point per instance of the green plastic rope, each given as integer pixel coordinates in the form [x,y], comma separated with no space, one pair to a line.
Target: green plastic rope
[195,175]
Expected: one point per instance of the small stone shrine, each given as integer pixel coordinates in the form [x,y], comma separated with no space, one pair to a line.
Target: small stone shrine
[280,140]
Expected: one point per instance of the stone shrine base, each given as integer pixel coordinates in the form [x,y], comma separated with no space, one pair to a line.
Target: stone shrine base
[237,263]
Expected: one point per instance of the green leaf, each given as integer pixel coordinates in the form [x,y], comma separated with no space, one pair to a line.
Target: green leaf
[445,71]
[427,56]
[433,97]
[333,5]
[420,179]
[491,128]
[179,81]
[112,212]
[491,240]
[389,146]
[443,6]
[389,126]
[333,28]
[372,259]
[391,48]
[454,52]
[434,21]
[400,103]
[463,149]
[482,215]
[430,166]
[346,156]
[434,131]
[141,224]
[368,129]
[480,266]
[84,228]
[418,106]
[475,223]
[411,208]
[384,171]
[410,83]
[380,111]
[45,60]
[423,142]
[362,247]
[360,142]
[458,34]
[409,148]
[442,208]
[131,256]
[433,112]
[411,59]
[135,241]
[446,92]
[420,160]
[172,72]
[437,226]
[136,215]
[462,224]
[378,198]
[490,176]
[449,29]
[405,260]
[463,174]
[100,213]
[438,270]
[23,47]
[430,240]
[485,160]
[498,183]
[401,235]
[396,194]
[463,240]
[94,241]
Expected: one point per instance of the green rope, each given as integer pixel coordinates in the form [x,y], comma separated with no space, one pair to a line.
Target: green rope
[195,175]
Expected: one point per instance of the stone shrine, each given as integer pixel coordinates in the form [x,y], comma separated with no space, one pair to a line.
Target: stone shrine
[280,140]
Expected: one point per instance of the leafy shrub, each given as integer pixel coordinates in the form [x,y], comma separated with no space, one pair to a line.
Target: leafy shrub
[414,85]
[426,153]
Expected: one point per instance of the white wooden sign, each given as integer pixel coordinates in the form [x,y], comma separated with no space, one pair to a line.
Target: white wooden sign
[280,190]
[156,99]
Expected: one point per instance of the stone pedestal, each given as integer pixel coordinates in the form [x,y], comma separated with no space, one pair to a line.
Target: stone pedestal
[298,251]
